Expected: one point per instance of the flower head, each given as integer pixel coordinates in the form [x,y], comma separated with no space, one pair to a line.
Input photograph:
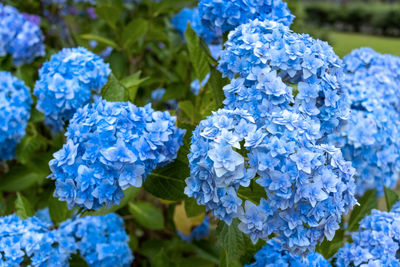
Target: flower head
[67,82]
[20,37]
[15,106]
[226,15]
[110,147]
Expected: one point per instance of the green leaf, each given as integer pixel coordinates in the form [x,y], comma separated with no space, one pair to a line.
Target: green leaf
[118,64]
[190,111]
[232,241]
[20,178]
[23,207]
[161,259]
[100,39]
[109,14]
[132,32]
[216,82]
[28,146]
[368,202]
[329,248]
[193,209]
[129,194]
[132,84]
[113,90]
[147,215]
[253,193]
[77,261]
[391,198]
[198,56]
[168,182]
[58,210]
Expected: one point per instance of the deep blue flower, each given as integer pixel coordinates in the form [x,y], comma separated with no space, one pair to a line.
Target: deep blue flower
[20,37]
[67,82]
[15,106]
[226,15]
[110,147]
[273,255]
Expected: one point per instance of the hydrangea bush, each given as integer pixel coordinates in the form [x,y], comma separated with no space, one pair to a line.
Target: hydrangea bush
[237,141]
[110,147]
[15,106]
[67,82]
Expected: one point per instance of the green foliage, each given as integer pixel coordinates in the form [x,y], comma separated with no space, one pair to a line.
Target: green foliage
[368,202]
[391,198]
[147,215]
[23,207]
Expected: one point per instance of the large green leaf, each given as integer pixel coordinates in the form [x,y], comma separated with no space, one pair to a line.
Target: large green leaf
[132,32]
[23,207]
[28,146]
[113,90]
[232,240]
[19,178]
[368,202]
[193,209]
[198,56]
[216,82]
[129,194]
[58,210]
[132,83]
[391,198]
[108,13]
[329,248]
[147,215]
[168,182]
[254,193]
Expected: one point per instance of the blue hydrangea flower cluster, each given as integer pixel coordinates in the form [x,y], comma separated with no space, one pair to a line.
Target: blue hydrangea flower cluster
[110,147]
[180,22]
[273,69]
[284,98]
[32,239]
[308,187]
[376,243]
[19,37]
[15,106]
[100,240]
[198,233]
[372,139]
[67,82]
[272,255]
[226,15]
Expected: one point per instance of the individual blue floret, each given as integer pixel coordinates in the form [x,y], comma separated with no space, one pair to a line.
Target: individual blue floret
[34,240]
[198,233]
[110,147]
[67,82]
[372,139]
[273,255]
[15,106]
[100,240]
[376,243]
[273,69]
[186,15]
[226,15]
[20,37]
[308,187]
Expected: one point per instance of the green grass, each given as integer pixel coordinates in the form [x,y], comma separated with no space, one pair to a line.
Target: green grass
[343,43]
